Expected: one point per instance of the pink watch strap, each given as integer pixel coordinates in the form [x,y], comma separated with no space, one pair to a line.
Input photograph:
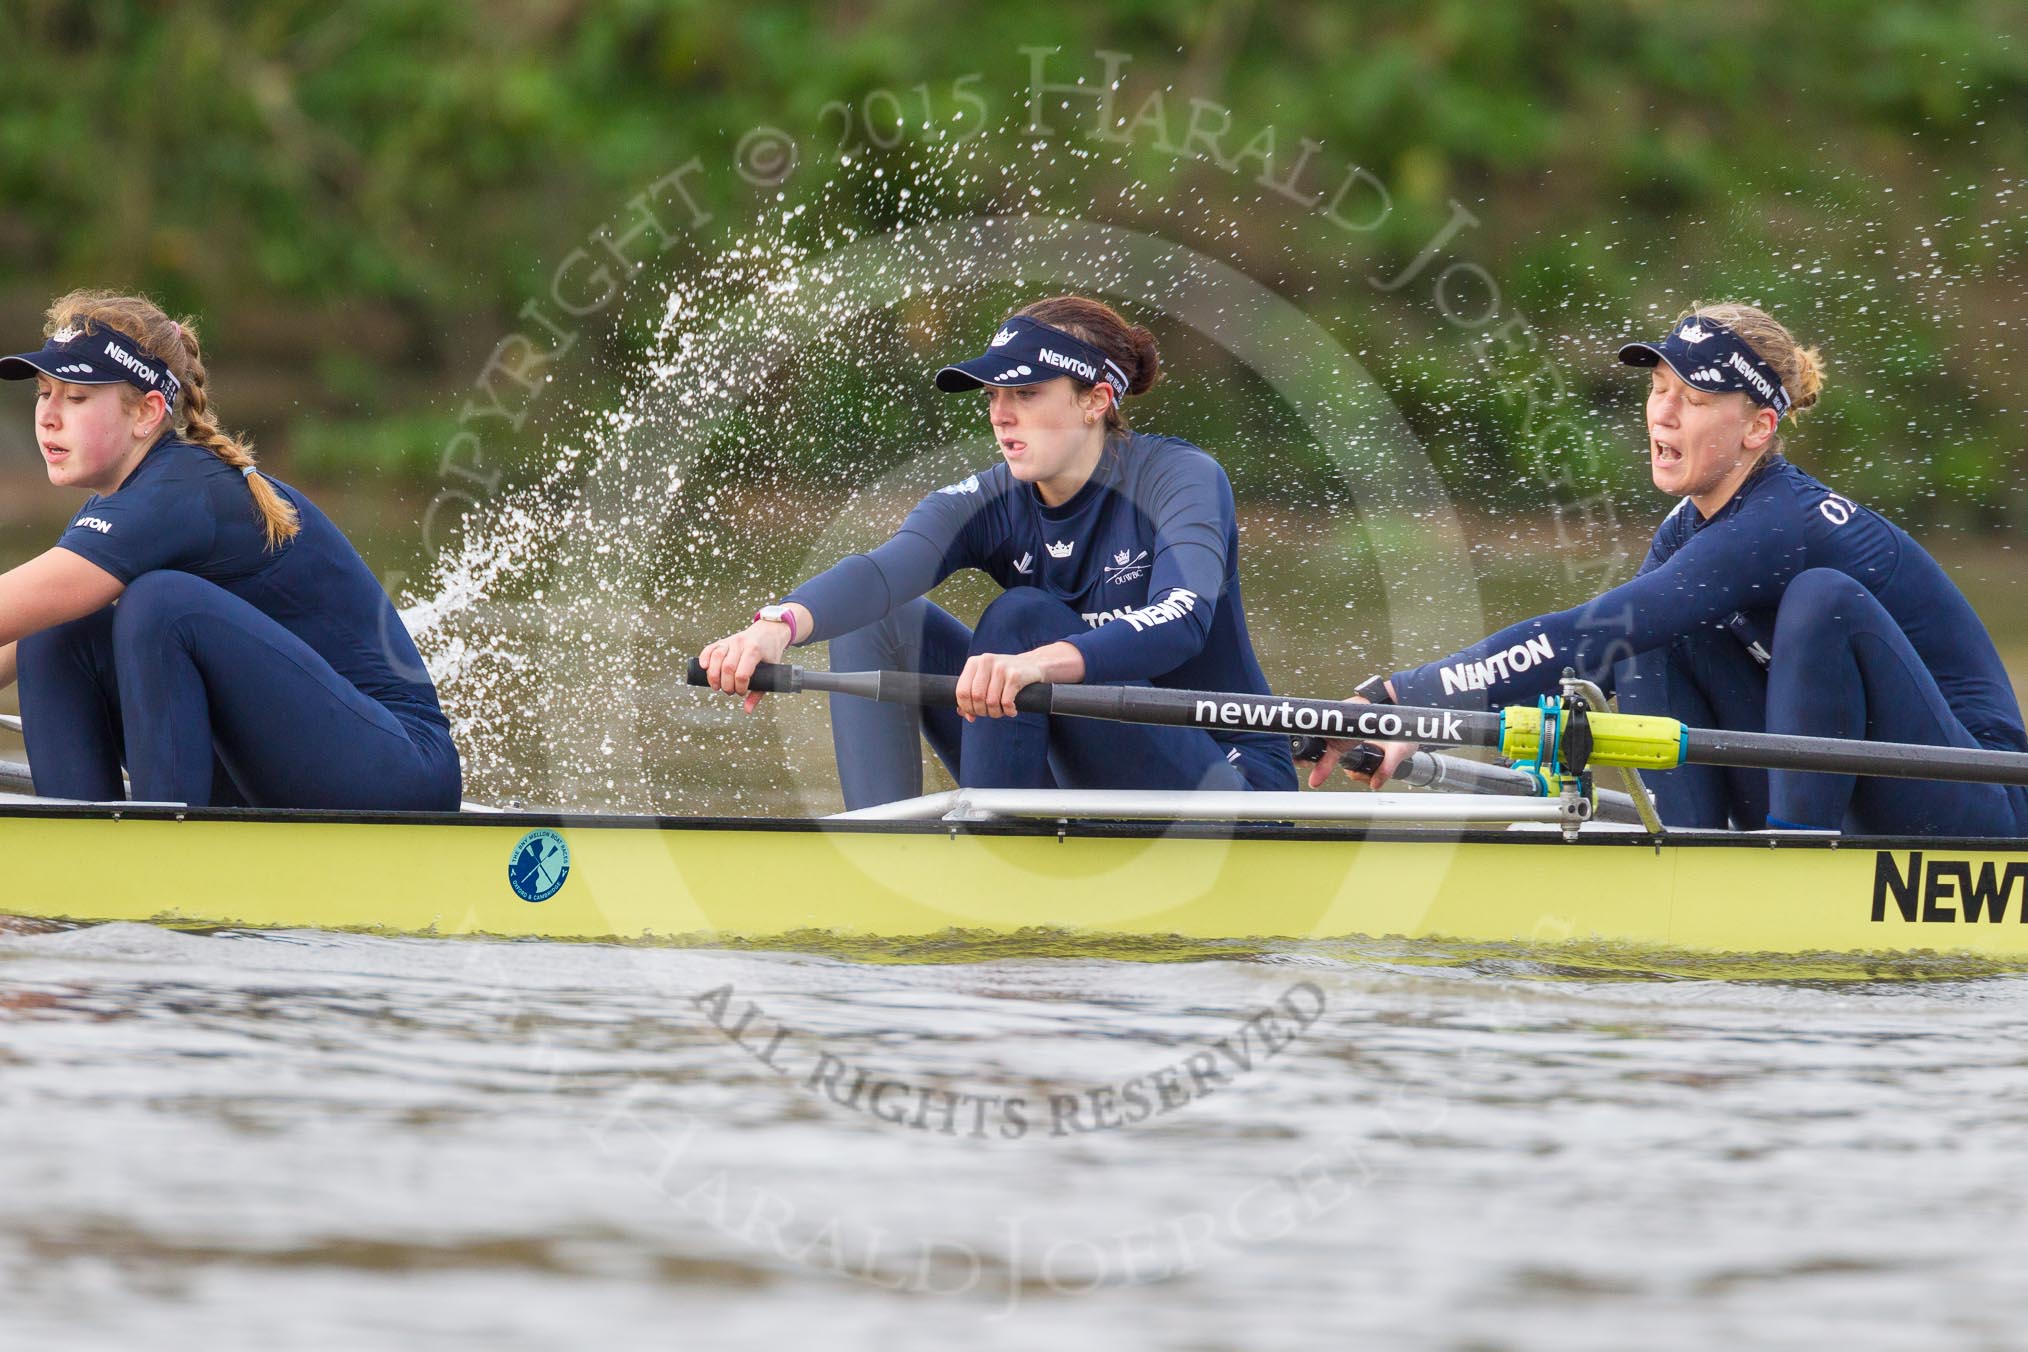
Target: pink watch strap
[782,615]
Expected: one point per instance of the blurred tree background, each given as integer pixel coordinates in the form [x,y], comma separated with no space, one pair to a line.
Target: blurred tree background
[359,198]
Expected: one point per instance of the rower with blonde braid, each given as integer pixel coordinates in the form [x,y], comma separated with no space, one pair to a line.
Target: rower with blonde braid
[252,657]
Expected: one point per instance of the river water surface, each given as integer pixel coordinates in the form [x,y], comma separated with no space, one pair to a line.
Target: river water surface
[321,1141]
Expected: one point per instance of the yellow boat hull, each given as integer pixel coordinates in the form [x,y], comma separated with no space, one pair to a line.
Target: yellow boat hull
[709,881]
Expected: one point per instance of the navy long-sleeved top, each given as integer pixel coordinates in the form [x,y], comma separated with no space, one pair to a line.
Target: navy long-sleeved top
[1702,572]
[1147,552]
[183,508]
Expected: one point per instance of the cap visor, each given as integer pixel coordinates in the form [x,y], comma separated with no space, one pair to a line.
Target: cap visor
[28,365]
[1000,372]
[1646,354]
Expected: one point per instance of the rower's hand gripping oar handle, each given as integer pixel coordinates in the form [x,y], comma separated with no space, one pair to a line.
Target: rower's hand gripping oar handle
[1362,759]
[889,687]
[772,677]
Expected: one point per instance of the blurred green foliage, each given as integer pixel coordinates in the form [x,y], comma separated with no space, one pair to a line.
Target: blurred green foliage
[358,198]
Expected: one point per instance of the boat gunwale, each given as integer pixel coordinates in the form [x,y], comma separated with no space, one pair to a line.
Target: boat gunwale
[1060,827]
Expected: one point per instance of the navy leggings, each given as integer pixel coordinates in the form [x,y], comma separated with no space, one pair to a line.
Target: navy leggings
[879,745]
[207,701]
[1842,668]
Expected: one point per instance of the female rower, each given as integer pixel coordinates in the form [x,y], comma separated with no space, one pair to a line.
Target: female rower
[1767,603]
[252,658]
[1119,551]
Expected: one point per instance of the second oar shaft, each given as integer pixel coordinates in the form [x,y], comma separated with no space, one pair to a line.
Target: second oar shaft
[1832,755]
[1171,708]
[1644,742]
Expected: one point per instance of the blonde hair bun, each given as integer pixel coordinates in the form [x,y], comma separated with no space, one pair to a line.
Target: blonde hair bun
[1801,368]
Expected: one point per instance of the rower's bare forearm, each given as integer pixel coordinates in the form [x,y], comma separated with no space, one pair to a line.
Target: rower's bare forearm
[1061,662]
[52,588]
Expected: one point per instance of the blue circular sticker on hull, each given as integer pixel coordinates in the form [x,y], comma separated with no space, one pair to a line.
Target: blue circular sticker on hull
[538,866]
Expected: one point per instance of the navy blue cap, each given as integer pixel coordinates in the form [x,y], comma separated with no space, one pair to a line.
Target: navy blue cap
[100,356]
[1025,352]
[1712,357]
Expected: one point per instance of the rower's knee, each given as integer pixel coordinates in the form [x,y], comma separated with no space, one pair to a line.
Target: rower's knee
[1021,618]
[159,592]
[1641,683]
[154,601]
[888,644]
[862,650]
[62,650]
[1820,605]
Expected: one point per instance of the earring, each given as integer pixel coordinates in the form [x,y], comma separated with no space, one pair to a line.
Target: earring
[1090,418]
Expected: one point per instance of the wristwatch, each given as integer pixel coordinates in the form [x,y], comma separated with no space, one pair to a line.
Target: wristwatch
[1373,690]
[779,615]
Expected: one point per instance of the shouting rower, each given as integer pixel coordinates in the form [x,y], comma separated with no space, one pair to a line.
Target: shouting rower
[1768,603]
[1119,552]
[252,659]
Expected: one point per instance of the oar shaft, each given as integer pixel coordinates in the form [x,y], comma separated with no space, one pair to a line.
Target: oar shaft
[1209,709]
[1644,742]
[1831,755]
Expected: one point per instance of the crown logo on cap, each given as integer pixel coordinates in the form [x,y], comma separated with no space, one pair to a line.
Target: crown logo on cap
[1002,338]
[66,334]
[1693,333]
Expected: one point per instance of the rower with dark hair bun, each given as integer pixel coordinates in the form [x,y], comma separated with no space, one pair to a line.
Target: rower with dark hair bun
[1119,551]
[1768,603]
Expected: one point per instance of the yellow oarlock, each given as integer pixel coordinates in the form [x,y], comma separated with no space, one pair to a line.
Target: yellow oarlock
[1642,741]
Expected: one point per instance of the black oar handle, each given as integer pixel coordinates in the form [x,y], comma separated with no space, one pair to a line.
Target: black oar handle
[773,677]
[1362,759]
[889,687]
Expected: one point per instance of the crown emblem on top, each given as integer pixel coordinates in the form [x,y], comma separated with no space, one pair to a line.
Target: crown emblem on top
[1002,338]
[1061,549]
[1122,557]
[1693,332]
[66,334]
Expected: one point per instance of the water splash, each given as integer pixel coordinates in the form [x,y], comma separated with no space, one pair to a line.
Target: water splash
[774,413]
[777,416]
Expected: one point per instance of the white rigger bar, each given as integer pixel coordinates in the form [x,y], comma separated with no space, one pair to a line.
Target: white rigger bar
[1199,806]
